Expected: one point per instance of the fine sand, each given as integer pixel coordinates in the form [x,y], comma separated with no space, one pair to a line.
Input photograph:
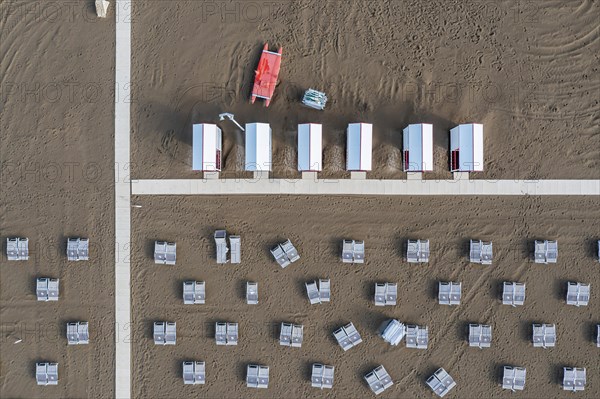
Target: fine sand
[527,71]
[56,153]
[316,225]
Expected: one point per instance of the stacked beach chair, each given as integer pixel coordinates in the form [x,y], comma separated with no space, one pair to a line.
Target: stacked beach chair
[235,242]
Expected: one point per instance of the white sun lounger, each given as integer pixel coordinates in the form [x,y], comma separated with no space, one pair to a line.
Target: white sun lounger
[324,290]
[285,253]
[513,293]
[480,335]
[257,376]
[236,249]
[598,335]
[449,293]
[514,378]
[379,380]
[417,337]
[194,292]
[194,372]
[313,292]
[221,246]
[291,335]
[17,248]
[353,251]
[481,252]
[47,289]
[165,253]
[386,294]
[441,382]
[77,249]
[546,251]
[78,333]
[46,373]
[394,332]
[322,376]
[578,294]
[417,251]
[574,379]
[544,335]
[165,333]
[347,336]
[251,293]
[226,333]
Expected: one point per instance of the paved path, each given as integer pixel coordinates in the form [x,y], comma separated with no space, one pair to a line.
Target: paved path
[364,187]
[122,201]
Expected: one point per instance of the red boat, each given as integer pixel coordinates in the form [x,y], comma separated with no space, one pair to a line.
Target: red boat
[266,75]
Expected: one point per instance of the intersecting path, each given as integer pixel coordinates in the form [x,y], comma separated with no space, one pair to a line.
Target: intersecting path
[122,200]
[364,187]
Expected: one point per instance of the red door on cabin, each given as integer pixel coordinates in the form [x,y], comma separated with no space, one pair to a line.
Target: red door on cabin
[454,160]
[219,160]
[406,160]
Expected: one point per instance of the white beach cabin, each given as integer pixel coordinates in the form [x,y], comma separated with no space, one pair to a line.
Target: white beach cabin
[258,147]
[359,147]
[207,144]
[310,147]
[418,148]
[466,148]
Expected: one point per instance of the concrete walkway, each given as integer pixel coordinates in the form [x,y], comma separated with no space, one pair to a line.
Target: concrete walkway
[122,201]
[364,187]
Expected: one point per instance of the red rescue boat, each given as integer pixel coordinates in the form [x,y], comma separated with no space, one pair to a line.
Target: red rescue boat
[266,75]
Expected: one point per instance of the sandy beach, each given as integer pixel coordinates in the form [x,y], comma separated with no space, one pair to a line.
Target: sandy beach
[316,225]
[56,153]
[527,71]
